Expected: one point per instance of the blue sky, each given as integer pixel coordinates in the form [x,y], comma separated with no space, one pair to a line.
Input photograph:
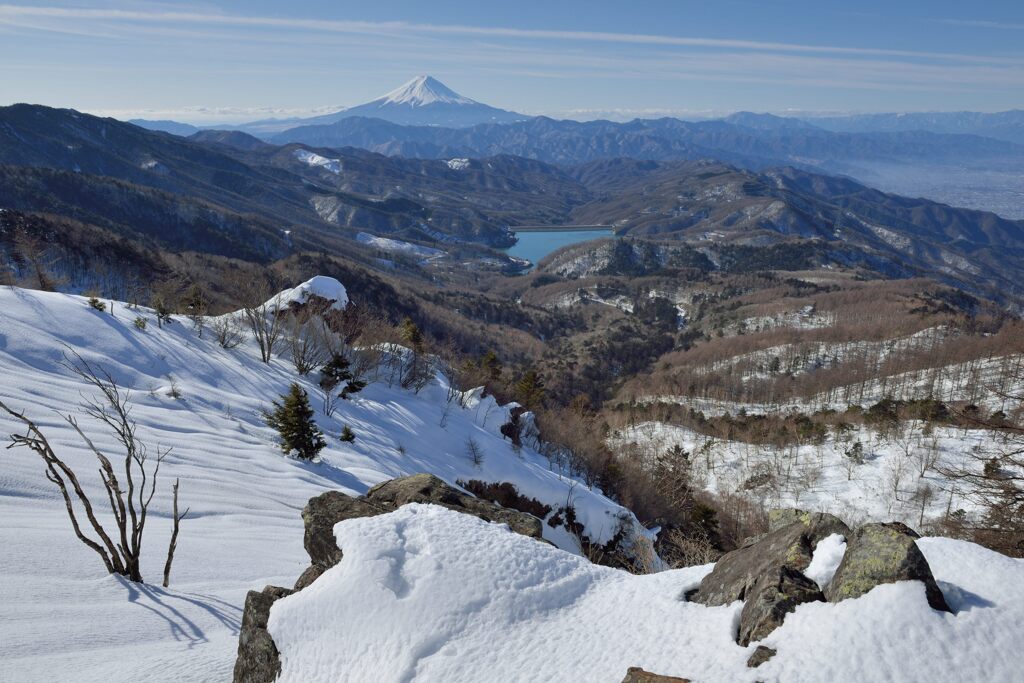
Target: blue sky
[234,61]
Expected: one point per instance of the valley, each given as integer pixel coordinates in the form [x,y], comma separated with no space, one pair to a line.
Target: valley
[421,388]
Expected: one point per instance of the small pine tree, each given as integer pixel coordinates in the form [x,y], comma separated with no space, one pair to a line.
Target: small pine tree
[529,390]
[412,335]
[347,435]
[292,417]
[336,371]
[139,322]
[195,305]
[94,302]
[491,366]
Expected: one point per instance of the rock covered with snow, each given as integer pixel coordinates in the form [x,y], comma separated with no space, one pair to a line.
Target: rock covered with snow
[323,512]
[426,594]
[257,659]
[317,287]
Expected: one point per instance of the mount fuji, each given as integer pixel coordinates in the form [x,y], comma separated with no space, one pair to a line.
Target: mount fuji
[423,101]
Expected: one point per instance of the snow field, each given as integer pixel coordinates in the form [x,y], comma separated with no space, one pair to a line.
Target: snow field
[63,618]
[426,594]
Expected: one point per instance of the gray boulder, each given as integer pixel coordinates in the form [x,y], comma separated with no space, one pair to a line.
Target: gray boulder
[635,674]
[770,599]
[787,545]
[761,655]
[258,660]
[883,553]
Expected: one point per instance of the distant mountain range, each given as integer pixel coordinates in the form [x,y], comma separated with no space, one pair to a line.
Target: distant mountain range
[963,158]
[231,194]
[1006,125]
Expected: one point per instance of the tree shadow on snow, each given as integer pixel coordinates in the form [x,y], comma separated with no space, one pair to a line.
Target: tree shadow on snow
[159,601]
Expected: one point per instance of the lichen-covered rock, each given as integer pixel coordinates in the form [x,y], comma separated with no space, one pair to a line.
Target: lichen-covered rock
[258,660]
[883,553]
[761,655]
[770,599]
[635,674]
[791,545]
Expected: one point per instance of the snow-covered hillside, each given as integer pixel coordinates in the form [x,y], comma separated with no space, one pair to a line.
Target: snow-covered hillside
[893,478]
[442,596]
[63,618]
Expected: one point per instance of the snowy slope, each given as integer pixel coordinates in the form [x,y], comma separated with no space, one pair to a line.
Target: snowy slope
[398,246]
[421,91]
[314,159]
[62,618]
[426,594]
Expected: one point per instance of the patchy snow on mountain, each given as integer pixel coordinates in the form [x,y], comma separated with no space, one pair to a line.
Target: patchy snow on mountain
[458,164]
[62,618]
[398,246]
[314,159]
[427,594]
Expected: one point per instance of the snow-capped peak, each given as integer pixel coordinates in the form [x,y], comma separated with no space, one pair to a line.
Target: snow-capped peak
[424,90]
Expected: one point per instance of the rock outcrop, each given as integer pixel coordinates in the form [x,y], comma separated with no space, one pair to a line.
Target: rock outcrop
[258,659]
[324,511]
[770,599]
[635,674]
[767,571]
[883,553]
[790,543]
[761,655]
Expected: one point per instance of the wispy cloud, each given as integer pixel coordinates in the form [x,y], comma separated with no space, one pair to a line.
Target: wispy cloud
[982,23]
[13,13]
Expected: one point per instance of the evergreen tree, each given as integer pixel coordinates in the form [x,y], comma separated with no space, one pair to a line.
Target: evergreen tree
[491,366]
[412,335]
[347,435]
[529,390]
[195,305]
[293,420]
[336,371]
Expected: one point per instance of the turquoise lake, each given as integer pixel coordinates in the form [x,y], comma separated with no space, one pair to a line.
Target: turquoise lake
[535,245]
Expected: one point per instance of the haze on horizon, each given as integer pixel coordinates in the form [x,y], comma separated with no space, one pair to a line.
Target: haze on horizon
[231,61]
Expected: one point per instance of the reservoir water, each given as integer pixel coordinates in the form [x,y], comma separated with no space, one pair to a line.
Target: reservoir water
[534,245]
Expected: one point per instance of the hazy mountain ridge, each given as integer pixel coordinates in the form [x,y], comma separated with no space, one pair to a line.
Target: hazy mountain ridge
[299,196]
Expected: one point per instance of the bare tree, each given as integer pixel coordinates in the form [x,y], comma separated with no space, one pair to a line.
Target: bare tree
[309,340]
[173,545]
[474,452]
[227,329]
[261,310]
[34,254]
[129,501]
[994,479]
